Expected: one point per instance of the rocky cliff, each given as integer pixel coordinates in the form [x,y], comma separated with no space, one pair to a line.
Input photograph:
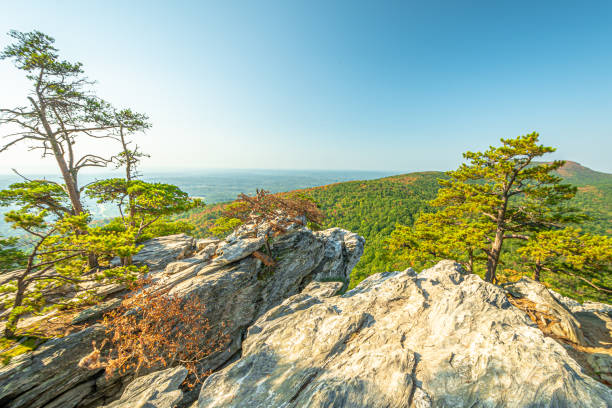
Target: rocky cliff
[236,288]
[439,338]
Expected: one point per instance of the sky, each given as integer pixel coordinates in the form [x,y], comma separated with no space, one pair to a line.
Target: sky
[361,85]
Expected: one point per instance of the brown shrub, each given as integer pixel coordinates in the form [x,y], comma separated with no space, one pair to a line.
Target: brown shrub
[152,329]
[278,211]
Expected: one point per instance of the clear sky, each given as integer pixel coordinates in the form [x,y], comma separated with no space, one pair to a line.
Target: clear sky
[375,85]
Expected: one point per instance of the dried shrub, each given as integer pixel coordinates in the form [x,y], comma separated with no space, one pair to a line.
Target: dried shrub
[153,329]
[277,211]
[265,259]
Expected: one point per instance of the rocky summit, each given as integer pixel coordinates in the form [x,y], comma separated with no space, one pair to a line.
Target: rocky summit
[441,338]
[438,338]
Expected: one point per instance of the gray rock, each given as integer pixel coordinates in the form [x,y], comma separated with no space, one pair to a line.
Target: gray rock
[207,252]
[441,338]
[74,396]
[235,250]
[156,390]
[602,365]
[343,249]
[178,266]
[342,252]
[562,323]
[159,252]
[235,294]
[96,312]
[35,379]
[206,242]
[322,289]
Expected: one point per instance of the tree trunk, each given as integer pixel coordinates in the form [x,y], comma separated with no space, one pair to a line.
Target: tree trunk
[493,256]
[470,262]
[73,192]
[67,175]
[126,260]
[536,273]
[11,323]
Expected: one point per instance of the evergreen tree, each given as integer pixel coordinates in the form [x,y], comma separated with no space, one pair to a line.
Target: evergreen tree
[61,108]
[497,195]
[53,252]
[585,256]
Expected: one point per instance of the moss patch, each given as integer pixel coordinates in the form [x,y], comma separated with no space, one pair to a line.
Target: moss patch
[15,347]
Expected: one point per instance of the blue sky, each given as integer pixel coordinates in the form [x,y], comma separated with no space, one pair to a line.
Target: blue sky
[401,86]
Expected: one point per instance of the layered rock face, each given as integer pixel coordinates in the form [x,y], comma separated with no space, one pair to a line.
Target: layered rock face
[440,338]
[236,290]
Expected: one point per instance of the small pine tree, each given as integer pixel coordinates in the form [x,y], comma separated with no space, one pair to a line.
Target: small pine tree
[585,256]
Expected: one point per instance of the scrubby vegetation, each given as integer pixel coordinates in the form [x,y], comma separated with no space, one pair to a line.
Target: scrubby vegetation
[153,329]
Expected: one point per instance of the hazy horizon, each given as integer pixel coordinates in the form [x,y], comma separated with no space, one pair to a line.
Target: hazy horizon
[149,171]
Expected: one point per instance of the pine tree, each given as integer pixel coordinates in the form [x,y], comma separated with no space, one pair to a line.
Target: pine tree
[497,195]
[585,256]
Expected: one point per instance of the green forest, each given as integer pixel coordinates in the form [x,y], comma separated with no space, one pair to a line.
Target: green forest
[373,209]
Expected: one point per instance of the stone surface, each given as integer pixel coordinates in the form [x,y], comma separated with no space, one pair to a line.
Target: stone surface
[156,390]
[205,243]
[177,266]
[437,339]
[235,291]
[585,330]
[207,252]
[236,294]
[553,316]
[159,252]
[342,252]
[232,251]
[96,311]
[36,379]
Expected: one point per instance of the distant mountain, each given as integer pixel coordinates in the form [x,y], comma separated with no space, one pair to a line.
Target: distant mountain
[372,208]
[577,174]
[594,195]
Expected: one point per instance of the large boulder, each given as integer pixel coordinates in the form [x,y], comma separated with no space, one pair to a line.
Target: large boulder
[232,251]
[585,330]
[441,338]
[550,315]
[236,294]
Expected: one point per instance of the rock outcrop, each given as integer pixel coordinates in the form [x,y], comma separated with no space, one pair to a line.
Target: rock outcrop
[546,311]
[156,390]
[50,377]
[440,338]
[585,330]
[235,286]
[159,252]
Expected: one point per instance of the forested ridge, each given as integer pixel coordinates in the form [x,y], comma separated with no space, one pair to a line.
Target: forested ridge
[373,208]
